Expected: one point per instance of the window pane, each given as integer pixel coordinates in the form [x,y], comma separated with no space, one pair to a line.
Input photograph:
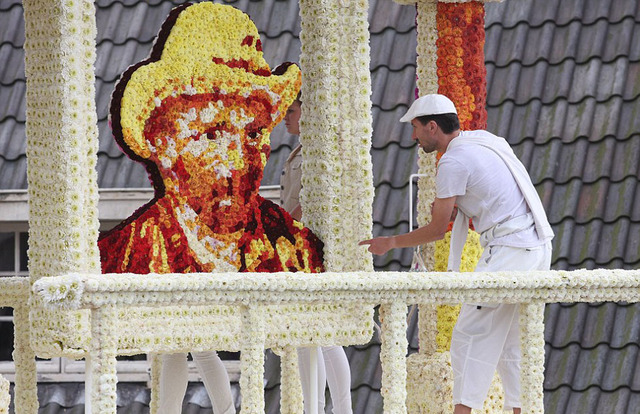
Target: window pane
[24,245]
[139,357]
[7,241]
[6,336]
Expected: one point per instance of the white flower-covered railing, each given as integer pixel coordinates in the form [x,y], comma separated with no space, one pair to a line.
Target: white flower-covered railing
[251,292]
[14,293]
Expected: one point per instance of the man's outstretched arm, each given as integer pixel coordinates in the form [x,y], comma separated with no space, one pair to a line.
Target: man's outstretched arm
[435,230]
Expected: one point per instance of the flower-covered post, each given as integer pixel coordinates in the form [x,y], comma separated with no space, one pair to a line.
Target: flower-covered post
[427,82]
[337,183]
[5,397]
[336,127]
[393,356]
[532,366]
[290,400]
[62,143]
[156,368]
[26,392]
[252,359]
[450,62]
[103,374]
[461,77]
[14,293]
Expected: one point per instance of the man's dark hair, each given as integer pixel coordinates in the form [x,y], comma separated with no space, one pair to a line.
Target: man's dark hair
[447,122]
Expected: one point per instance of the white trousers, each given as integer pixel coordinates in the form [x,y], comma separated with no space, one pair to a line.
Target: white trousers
[487,336]
[174,379]
[333,368]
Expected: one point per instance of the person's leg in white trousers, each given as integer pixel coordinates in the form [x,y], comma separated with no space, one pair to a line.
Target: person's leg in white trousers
[173,383]
[216,381]
[509,365]
[476,348]
[338,377]
[486,336]
[174,378]
[333,368]
[305,375]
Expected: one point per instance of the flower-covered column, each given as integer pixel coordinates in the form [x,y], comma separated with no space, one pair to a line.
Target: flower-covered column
[450,61]
[393,353]
[26,392]
[336,127]
[337,193]
[103,351]
[252,359]
[427,83]
[291,401]
[5,397]
[532,366]
[61,128]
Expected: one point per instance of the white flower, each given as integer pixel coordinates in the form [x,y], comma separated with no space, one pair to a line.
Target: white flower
[240,119]
[208,114]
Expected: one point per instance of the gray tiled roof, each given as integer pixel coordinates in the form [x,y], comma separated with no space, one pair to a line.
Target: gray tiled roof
[563,82]
[564,89]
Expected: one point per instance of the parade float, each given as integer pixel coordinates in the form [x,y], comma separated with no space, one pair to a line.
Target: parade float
[68,308]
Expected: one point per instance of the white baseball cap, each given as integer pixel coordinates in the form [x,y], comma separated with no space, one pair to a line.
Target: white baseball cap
[433,104]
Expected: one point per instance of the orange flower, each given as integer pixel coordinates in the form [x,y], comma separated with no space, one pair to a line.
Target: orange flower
[460,59]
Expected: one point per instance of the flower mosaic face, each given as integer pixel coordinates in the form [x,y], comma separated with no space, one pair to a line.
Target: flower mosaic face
[211,146]
[198,114]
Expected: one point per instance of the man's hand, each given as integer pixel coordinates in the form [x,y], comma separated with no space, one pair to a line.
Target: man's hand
[442,211]
[378,245]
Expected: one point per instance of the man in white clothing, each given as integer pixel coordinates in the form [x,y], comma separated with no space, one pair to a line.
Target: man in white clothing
[480,174]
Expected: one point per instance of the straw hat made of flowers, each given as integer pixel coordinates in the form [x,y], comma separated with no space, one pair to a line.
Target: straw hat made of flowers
[200,47]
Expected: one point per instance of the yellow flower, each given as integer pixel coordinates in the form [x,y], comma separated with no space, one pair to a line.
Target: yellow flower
[448,315]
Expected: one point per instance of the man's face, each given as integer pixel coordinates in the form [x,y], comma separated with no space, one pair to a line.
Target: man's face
[425,135]
[292,118]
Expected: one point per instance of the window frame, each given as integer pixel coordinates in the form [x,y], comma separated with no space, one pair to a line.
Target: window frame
[114,206]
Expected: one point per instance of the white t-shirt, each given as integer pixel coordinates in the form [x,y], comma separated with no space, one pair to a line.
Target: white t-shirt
[486,191]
